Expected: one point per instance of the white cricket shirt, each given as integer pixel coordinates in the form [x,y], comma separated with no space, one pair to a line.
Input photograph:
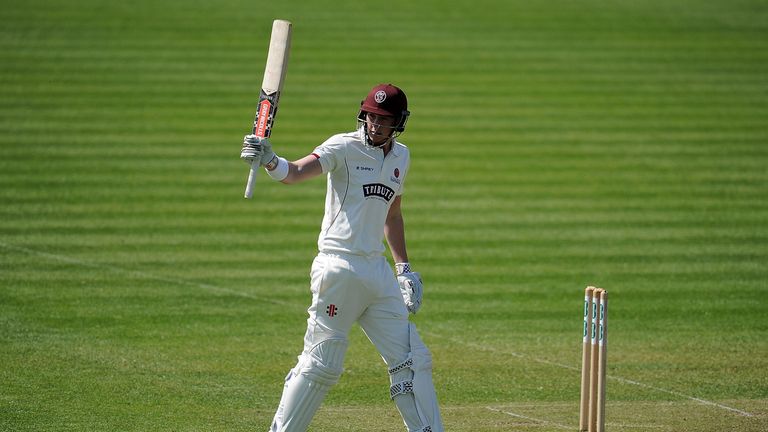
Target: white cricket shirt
[362,184]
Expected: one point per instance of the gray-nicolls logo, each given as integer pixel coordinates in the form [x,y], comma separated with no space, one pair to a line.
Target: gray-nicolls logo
[332,310]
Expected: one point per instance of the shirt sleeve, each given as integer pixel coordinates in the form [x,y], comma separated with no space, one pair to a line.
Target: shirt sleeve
[405,174]
[331,153]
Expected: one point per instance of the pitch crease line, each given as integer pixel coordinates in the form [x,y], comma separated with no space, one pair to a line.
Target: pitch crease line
[533,419]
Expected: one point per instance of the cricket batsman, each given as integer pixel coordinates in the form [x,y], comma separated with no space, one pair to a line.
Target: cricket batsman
[351,280]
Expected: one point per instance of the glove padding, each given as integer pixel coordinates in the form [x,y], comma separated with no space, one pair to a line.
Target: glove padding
[412,290]
[256,149]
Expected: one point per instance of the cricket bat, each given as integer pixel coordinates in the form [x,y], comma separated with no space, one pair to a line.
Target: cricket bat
[271,86]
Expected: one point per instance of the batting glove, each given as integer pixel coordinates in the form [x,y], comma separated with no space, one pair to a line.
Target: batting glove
[411,286]
[256,149]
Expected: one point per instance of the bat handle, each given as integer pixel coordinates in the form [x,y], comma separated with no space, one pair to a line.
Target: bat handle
[251,180]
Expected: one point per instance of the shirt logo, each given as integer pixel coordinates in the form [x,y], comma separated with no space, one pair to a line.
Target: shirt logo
[395,177]
[332,310]
[378,190]
[364,168]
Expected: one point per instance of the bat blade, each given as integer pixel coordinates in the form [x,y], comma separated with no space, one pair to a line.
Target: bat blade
[271,86]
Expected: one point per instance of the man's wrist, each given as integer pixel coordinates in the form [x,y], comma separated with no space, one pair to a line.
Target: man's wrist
[277,168]
[402,267]
[272,164]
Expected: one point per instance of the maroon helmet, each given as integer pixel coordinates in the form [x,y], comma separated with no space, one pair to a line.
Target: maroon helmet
[386,100]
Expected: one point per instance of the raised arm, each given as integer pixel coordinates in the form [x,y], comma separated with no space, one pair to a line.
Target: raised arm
[256,148]
[302,169]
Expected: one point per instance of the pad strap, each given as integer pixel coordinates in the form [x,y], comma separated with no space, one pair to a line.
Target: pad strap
[400,388]
[408,363]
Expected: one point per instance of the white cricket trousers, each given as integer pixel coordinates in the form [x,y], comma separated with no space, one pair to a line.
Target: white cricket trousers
[348,289]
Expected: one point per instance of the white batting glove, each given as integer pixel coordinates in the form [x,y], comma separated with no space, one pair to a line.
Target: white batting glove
[411,286]
[256,149]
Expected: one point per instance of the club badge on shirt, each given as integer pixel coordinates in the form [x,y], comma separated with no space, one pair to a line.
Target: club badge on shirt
[395,177]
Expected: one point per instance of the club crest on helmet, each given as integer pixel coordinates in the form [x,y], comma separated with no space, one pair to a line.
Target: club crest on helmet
[380,96]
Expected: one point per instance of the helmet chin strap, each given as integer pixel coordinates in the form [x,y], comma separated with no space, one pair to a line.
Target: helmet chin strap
[367,138]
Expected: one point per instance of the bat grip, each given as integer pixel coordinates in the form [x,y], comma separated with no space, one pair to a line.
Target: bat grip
[251,180]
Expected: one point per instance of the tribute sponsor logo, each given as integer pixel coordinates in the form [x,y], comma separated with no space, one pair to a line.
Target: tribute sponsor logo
[378,190]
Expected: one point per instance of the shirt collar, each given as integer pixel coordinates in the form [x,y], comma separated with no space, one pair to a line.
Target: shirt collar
[396,150]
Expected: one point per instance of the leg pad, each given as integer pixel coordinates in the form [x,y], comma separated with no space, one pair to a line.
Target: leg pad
[307,384]
[412,389]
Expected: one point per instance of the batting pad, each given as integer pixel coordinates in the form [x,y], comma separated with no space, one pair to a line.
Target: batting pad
[307,384]
[412,389]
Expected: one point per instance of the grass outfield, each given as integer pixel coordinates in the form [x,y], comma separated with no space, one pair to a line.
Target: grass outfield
[555,145]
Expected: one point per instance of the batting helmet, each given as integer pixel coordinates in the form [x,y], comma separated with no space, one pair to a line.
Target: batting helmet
[386,100]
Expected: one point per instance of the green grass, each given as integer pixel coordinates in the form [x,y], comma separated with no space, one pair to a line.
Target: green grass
[555,145]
